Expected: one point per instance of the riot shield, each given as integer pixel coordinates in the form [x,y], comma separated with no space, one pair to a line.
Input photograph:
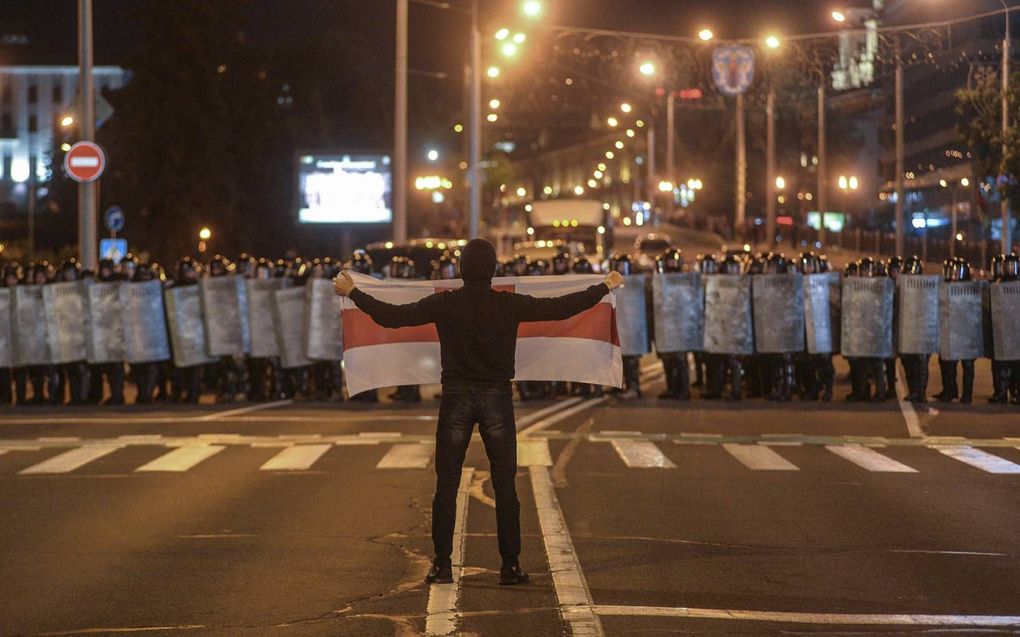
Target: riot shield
[6,333]
[260,316]
[821,325]
[145,329]
[225,313]
[729,327]
[65,321]
[31,343]
[105,334]
[632,315]
[918,315]
[678,305]
[289,320]
[961,320]
[866,330]
[187,330]
[324,330]
[778,304]
[1006,320]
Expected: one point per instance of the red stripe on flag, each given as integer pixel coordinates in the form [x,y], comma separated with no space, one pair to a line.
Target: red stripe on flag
[597,323]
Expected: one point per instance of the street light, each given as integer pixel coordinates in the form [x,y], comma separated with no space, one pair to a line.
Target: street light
[613,122]
[432,155]
[503,34]
[493,72]
[706,35]
[838,16]
[509,49]
[494,103]
[626,108]
[519,38]
[772,42]
[647,68]
[205,234]
[532,8]
[780,183]
[67,121]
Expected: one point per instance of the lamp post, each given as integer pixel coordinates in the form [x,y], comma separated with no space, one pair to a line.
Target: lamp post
[1007,239]
[87,235]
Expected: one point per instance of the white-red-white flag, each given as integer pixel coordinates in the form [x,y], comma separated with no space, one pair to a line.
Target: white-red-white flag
[584,348]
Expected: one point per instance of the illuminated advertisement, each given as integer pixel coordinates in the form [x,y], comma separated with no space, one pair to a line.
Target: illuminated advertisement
[345,188]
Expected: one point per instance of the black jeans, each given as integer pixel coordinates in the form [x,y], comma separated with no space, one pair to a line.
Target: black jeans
[492,408]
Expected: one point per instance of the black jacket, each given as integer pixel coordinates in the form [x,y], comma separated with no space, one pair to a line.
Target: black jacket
[477,325]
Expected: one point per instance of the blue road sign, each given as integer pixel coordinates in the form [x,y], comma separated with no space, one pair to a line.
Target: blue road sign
[113,249]
[113,219]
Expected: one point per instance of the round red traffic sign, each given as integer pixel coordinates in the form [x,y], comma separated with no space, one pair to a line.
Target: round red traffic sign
[85,162]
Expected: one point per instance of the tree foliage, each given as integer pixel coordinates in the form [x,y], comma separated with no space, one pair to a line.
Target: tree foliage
[980,129]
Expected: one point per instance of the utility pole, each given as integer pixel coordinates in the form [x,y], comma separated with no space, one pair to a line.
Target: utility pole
[87,237]
[671,137]
[1007,239]
[31,195]
[741,203]
[823,178]
[651,186]
[475,126]
[400,129]
[900,154]
[770,167]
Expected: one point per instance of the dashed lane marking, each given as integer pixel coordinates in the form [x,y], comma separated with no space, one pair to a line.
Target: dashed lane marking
[443,607]
[759,458]
[182,458]
[839,619]
[980,459]
[296,458]
[641,454]
[869,459]
[71,460]
[561,415]
[535,416]
[407,456]
[244,410]
[572,592]
[909,415]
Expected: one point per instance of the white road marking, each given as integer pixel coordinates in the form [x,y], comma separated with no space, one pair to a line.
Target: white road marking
[71,460]
[182,458]
[571,588]
[380,434]
[869,459]
[296,458]
[409,456]
[562,415]
[899,619]
[980,459]
[535,416]
[759,458]
[533,453]
[59,439]
[642,455]
[909,415]
[244,410]
[442,610]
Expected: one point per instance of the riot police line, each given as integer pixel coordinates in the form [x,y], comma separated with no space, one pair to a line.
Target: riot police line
[255,329]
[756,326]
[762,326]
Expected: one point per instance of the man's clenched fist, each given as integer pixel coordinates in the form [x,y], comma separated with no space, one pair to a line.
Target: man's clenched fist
[343,283]
[614,280]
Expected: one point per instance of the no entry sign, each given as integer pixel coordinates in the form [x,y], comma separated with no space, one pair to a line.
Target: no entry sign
[85,162]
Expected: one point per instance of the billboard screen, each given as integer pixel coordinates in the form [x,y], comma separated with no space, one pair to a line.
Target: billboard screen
[345,188]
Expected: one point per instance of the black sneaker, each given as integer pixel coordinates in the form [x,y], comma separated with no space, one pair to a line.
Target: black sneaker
[439,575]
[510,575]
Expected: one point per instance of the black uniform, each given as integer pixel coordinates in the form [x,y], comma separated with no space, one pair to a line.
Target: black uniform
[674,364]
[956,269]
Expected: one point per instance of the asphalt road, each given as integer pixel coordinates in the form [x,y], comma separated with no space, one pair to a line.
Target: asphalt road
[639,518]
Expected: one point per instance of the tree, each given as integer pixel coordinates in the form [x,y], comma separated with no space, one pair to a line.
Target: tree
[980,129]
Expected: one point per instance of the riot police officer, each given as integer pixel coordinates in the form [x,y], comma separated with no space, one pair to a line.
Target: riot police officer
[72,375]
[12,274]
[815,372]
[229,373]
[112,372]
[779,368]
[186,382]
[915,366]
[674,364]
[870,370]
[144,374]
[631,363]
[42,378]
[726,368]
[955,270]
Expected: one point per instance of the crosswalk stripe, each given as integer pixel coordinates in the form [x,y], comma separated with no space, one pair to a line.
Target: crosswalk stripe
[869,459]
[640,454]
[182,458]
[296,458]
[760,458]
[533,453]
[71,460]
[979,459]
[408,456]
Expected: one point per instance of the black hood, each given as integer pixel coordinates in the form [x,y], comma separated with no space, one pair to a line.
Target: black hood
[478,261]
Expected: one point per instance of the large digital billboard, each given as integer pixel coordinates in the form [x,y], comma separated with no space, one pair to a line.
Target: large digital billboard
[345,188]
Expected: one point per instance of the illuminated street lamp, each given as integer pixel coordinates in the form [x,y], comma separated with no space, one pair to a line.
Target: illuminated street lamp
[493,72]
[838,16]
[613,122]
[509,49]
[532,8]
[780,183]
[67,121]
[647,68]
[705,35]
[502,34]
[494,103]
[205,234]
[772,42]
[519,38]
[432,155]
[626,108]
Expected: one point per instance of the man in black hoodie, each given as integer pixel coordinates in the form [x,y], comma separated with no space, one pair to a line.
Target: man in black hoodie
[478,338]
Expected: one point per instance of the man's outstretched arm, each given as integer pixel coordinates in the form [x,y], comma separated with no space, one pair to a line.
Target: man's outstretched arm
[387,314]
[529,308]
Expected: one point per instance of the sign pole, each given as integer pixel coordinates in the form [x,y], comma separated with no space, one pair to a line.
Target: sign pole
[400,130]
[475,129]
[87,237]
[741,209]
[823,179]
[900,156]
[770,168]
